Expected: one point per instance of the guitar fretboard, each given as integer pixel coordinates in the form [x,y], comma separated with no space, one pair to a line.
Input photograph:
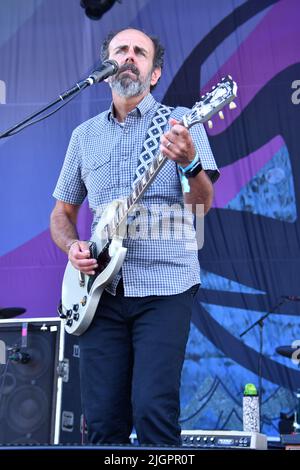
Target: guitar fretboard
[141,186]
[210,103]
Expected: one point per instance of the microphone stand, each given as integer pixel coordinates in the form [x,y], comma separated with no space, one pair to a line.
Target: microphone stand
[260,322]
[105,70]
[64,97]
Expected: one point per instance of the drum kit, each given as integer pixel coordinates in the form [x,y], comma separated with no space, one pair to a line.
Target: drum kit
[11,312]
[290,352]
[293,353]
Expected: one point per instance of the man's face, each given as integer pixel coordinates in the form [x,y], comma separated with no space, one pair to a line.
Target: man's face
[134,52]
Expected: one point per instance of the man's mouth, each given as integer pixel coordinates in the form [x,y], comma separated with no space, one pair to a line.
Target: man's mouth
[128,73]
[130,70]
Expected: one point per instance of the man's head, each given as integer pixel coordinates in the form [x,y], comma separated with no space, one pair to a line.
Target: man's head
[140,59]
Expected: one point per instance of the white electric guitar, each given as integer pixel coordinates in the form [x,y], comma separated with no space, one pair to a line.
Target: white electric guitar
[81,293]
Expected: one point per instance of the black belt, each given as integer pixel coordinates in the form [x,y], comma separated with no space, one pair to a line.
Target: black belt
[120,287]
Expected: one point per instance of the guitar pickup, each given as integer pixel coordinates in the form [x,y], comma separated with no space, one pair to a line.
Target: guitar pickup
[81,279]
[93,254]
[93,250]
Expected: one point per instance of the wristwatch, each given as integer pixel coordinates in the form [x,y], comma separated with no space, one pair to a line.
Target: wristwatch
[193,168]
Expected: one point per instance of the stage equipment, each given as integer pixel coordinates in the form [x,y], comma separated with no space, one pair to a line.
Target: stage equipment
[28,380]
[224,439]
[94,9]
[294,354]
[11,312]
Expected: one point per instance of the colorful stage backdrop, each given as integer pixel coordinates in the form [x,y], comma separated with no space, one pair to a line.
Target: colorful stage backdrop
[251,253]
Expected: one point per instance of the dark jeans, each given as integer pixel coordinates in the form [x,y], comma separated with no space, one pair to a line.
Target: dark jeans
[131,359]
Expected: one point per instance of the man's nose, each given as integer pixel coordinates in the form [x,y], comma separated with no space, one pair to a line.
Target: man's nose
[130,56]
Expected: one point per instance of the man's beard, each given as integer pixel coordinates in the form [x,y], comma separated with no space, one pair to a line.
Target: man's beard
[126,86]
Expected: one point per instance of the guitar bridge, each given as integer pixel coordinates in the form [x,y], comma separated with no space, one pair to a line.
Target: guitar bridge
[93,254]
[81,279]
[93,250]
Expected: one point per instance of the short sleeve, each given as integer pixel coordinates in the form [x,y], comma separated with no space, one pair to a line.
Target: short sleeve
[70,187]
[202,145]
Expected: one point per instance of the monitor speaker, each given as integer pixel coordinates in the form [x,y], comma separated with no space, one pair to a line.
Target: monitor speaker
[28,381]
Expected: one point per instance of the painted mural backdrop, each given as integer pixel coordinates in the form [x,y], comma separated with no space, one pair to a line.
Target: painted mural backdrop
[251,254]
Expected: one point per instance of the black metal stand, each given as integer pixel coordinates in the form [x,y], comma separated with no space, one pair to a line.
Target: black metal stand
[105,70]
[260,322]
[64,98]
[296,422]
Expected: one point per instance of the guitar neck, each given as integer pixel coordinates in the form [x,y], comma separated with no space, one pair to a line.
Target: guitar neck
[212,102]
[148,178]
[143,184]
[139,189]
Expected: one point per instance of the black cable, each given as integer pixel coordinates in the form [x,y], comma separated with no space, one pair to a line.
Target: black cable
[4,377]
[47,115]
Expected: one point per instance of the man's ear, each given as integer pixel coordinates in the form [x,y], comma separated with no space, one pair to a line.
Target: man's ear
[155,76]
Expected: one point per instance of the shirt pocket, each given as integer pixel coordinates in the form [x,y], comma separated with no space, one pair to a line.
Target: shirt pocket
[96,173]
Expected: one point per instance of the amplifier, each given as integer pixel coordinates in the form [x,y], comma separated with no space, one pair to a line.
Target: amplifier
[288,439]
[224,439]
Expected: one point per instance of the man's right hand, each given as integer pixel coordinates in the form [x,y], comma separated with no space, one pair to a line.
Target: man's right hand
[79,256]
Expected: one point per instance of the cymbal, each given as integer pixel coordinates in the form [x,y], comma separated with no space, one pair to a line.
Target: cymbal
[286,351]
[11,312]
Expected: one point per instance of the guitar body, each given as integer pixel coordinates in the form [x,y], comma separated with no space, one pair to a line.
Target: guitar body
[81,293]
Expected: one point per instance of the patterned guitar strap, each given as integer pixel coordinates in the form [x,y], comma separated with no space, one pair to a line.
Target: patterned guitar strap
[152,141]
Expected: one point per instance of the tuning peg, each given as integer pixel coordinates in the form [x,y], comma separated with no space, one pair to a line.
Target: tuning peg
[221,114]
[210,124]
[213,87]
[230,77]
[232,105]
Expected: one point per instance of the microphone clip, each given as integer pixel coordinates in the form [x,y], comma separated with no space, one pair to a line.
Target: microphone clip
[105,70]
[18,356]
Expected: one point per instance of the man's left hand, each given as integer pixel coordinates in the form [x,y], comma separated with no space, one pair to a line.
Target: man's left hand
[177,144]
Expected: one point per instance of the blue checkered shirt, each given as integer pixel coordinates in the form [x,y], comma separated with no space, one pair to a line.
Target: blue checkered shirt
[100,163]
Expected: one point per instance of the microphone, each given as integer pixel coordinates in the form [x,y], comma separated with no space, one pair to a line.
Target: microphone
[17,356]
[293,298]
[105,70]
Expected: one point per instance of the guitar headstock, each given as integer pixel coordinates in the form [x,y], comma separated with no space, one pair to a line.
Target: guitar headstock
[212,102]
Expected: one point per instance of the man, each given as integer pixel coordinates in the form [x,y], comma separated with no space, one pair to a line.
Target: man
[132,354]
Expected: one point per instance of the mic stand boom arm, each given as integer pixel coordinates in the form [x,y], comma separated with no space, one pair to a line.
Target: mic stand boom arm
[105,70]
[64,97]
[261,319]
